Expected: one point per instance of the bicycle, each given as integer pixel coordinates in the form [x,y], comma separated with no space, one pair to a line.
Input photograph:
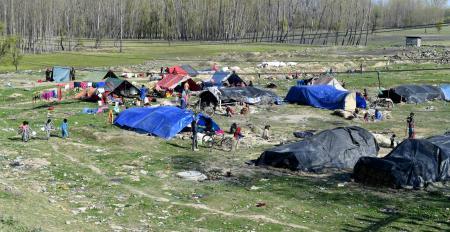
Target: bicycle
[211,140]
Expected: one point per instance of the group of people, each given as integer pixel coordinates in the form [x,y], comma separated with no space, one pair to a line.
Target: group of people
[25,130]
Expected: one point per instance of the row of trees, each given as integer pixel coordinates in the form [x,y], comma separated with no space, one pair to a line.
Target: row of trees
[10,49]
[46,25]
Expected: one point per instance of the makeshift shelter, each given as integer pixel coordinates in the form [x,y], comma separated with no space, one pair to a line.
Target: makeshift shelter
[234,80]
[170,82]
[121,87]
[250,95]
[89,94]
[322,96]
[415,162]
[412,93]
[190,70]
[338,148]
[177,70]
[445,92]
[325,80]
[110,74]
[162,121]
[62,74]
[221,77]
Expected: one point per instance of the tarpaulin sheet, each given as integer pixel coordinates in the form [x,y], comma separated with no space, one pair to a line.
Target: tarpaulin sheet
[219,77]
[61,74]
[339,148]
[360,101]
[190,70]
[162,121]
[446,92]
[413,93]
[320,96]
[415,162]
[250,95]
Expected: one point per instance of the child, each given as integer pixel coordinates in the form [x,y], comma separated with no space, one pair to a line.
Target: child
[65,129]
[266,132]
[237,138]
[24,131]
[48,127]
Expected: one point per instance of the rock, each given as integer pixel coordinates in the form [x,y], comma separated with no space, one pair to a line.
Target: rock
[255,188]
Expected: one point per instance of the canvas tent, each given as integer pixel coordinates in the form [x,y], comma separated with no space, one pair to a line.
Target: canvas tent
[121,87]
[415,162]
[250,95]
[110,74]
[170,82]
[412,93]
[62,74]
[331,81]
[445,92]
[177,70]
[163,121]
[322,96]
[190,70]
[221,77]
[338,148]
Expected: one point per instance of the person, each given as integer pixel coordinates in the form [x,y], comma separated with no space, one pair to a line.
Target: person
[110,117]
[378,115]
[209,126]
[245,110]
[185,96]
[410,124]
[194,134]
[366,95]
[343,84]
[24,131]
[229,111]
[48,127]
[72,74]
[237,137]
[233,128]
[366,117]
[250,84]
[393,140]
[65,129]
[116,107]
[266,132]
[143,93]
[162,70]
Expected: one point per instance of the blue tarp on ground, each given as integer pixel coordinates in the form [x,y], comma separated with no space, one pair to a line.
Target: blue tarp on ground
[320,96]
[446,92]
[61,74]
[163,121]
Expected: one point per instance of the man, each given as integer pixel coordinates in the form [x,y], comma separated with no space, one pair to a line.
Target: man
[143,93]
[410,124]
[194,134]
[378,115]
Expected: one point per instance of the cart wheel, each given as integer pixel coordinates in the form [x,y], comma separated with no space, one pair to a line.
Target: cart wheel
[207,141]
[227,144]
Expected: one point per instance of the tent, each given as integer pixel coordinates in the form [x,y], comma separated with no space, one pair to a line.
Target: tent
[322,96]
[250,95]
[338,148]
[221,77]
[322,81]
[190,70]
[170,82]
[445,92]
[177,70]
[412,93]
[415,162]
[62,74]
[121,87]
[234,80]
[162,121]
[110,74]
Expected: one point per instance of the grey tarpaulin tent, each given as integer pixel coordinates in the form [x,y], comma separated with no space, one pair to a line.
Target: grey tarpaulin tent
[338,148]
[413,93]
[415,162]
[250,95]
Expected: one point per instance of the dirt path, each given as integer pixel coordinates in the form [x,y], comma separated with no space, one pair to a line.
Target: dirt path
[252,217]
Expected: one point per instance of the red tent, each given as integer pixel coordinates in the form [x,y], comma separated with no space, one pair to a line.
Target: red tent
[170,82]
[177,70]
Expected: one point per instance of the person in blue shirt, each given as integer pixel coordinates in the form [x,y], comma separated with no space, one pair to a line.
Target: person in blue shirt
[143,93]
[378,115]
[65,129]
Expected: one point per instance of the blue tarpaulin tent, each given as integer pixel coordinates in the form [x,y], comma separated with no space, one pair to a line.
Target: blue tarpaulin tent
[446,92]
[61,74]
[163,121]
[322,96]
[217,79]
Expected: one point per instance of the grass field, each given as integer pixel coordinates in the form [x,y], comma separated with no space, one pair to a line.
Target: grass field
[104,178]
